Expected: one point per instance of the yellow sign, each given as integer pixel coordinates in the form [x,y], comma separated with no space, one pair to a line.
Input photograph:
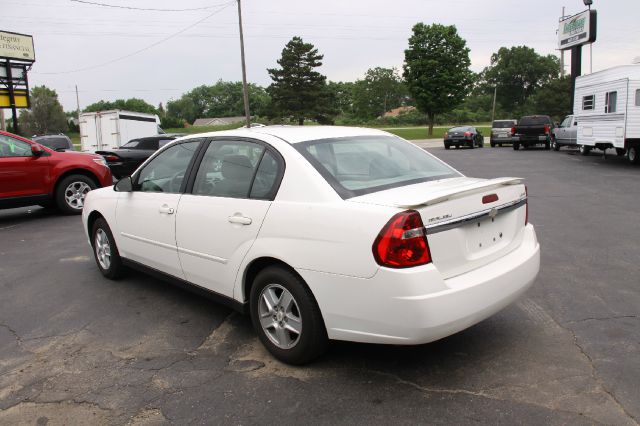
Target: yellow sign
[17,46]
[20,97]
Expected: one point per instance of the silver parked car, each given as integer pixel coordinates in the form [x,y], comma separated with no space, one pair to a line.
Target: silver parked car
[501,131]
[565,134]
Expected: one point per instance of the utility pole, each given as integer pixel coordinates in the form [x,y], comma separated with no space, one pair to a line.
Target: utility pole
[562,52]
[77,105]
[493,110]
[245,91]
[12,100]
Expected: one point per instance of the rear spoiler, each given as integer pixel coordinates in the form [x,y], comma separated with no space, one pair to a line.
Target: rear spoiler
[483,186]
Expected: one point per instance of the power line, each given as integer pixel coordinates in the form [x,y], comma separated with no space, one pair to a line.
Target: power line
[144,48]
[114,6]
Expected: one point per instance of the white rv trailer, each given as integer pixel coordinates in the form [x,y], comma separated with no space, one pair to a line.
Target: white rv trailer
[607,109]
[111,129]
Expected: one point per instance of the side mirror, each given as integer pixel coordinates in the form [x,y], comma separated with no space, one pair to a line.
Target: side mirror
[124,185]
[36,150]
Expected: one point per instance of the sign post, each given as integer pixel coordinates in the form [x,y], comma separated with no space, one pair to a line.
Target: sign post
[18,53]
[573,32]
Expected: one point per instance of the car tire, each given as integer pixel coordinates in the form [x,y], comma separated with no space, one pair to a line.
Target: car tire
[620,152]
[555,145]
[274,323]
[472,144]
[516,146]
[633,155]
[457,146]
[447,146]
[547,146]
[105,250]
[492,143]
[71,191]
[584,150]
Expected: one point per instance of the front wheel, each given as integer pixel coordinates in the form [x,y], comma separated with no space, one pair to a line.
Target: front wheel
[105,250]
[286,316]
[555,145]
[633,155]
[547,145]
[71,192]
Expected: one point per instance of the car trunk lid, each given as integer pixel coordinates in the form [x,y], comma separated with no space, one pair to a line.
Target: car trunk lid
[469,222]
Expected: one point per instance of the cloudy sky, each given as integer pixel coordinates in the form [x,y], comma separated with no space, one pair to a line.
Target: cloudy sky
[78,43]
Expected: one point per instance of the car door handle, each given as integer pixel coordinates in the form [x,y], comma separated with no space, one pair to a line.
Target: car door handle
[166,209]
[239,219]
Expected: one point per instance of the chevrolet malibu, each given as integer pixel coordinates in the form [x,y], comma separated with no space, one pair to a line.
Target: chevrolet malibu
[321,233]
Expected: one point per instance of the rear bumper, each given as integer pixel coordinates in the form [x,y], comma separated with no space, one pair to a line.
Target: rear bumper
[531,139]
[415,305]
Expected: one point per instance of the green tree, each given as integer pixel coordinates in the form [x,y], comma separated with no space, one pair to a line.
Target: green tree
[381,89]
[342,94]
[518,72]
[553,99]
[45,116]
[132,104]
[297,89]
[436,69]
[223,99]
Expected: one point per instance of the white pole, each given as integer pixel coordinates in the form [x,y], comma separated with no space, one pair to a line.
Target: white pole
[3,125]
[562,52]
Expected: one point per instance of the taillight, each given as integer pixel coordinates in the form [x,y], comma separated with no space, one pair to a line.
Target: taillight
[547,129]
[491,198]
[111,157]
[513,131]
[526,203]
[402,242]
[467,134]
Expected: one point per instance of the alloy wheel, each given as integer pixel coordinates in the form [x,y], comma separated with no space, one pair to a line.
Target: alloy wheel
[103,249]
[279,316]
[75,193]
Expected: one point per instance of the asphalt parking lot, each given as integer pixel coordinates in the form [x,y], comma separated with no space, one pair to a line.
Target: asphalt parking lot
[76,348]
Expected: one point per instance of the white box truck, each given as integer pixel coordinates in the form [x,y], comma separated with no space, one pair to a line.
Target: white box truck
[111,129]
[607,110]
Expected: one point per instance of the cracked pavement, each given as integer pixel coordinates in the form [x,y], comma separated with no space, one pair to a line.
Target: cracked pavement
[76,348]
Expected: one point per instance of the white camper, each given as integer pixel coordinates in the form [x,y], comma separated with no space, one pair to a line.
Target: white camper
[111,129]
[607,109]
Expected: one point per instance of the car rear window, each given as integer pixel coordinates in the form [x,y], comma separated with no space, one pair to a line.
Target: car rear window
[54,143]
[502,124]
[535,120]
[461,129]
[361,165]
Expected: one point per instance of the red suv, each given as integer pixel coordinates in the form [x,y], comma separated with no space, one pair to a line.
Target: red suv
[33,174]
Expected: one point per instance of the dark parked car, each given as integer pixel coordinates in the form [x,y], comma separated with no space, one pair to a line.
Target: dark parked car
[55,142]
[463,136]
[532,130]
[125,160]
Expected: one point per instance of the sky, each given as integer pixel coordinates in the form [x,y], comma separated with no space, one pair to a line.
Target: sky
[168,53]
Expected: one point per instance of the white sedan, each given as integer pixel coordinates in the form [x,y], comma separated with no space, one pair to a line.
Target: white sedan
[321,233]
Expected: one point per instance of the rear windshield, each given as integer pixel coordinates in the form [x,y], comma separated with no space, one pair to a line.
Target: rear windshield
[54,143]
[461,129]
[363,164]
[534,120]
[502,124]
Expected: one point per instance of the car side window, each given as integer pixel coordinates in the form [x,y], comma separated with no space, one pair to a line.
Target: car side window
[227,169]
[166,171]
[266,180]
[10,147]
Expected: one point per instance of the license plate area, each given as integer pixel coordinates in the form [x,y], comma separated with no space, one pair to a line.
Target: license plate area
[486,234]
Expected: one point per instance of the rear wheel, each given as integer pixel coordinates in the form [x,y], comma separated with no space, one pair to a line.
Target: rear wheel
[447,146]
[585,150]
[516,146]
[105,250]
[555,145]
[547,145]
[633,155]
[286,316]
[492,143]
[71,192]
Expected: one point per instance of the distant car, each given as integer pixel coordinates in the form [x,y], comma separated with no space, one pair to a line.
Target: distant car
[55,142]
[463,136]
[33,174]
[321,232]
[501,132]
[126,159]
[532,130]
[565,134]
